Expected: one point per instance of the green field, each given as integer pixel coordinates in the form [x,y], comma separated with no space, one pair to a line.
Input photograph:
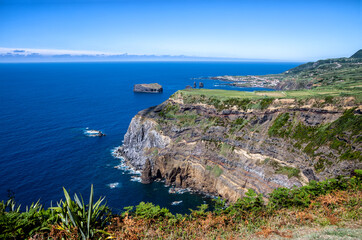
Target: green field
[350,89]
[321,79]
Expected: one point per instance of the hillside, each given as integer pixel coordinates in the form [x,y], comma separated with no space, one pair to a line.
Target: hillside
[358,54]
[225,142]
[340,72]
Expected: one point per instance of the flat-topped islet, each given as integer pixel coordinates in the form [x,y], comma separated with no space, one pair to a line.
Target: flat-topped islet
[148,88]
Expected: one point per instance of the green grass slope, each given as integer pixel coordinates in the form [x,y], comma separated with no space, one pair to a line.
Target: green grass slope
[358,54]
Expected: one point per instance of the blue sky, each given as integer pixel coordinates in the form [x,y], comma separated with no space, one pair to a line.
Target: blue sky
[292,30]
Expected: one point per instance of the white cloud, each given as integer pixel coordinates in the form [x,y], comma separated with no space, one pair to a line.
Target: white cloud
[49,52]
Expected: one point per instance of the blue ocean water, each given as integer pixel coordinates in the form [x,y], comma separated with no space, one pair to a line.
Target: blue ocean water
[45,107]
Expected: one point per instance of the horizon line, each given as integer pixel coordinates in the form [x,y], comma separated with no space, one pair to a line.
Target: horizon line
[48,55]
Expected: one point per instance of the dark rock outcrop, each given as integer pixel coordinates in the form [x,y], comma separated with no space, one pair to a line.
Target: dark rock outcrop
[148,88]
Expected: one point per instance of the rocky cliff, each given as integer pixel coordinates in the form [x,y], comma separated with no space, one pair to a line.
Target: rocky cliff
[225,146]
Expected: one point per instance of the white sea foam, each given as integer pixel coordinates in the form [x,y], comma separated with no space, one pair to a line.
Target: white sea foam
[135,172]
[113,185]
[92,133]
[116,154]
[174,190]
[135,179]
[176,203]
[124,167]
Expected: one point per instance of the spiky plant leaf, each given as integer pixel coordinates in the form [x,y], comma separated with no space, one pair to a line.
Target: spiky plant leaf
[90,207]
[76,199]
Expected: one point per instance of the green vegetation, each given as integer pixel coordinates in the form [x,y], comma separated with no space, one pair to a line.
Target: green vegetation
[324,73]
[289,171]
[203,94]
[169,111]
[226,149]
[225,99]
[20,225]
[215,170]
[337,135]
[324,79]
[148,211]
[70,219]
[303,197]
[237,125]
[285,170]
[87,219]
[357,54]
[321,164]
[331,202]
[280,121]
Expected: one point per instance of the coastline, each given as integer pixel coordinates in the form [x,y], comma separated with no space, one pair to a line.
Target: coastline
[128,168]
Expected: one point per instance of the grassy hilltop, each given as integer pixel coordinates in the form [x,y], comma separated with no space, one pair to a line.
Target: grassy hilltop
[324,78]
[341,72]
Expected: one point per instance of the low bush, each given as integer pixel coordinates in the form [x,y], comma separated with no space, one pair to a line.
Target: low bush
[73,219]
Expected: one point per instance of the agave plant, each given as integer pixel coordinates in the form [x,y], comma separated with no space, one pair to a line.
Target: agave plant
[9,204]
[86,218]
[35,206]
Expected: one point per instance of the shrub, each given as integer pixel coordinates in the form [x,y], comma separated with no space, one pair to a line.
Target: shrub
[146,218]
[240,103]
[249,206]
[328,99]
[169,111]
[200,212]
[150,211]
[302,197]
[265,102]
[20,225]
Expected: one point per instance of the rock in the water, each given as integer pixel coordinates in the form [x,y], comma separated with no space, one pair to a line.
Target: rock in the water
[147,173]
[148,88]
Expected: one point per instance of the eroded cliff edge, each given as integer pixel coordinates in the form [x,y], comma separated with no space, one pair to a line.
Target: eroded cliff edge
[225,146]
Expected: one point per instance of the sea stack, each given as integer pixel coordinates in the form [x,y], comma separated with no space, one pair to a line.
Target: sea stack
[148,88]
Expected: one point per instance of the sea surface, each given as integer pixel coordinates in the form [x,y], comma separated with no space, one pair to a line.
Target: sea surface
[46,107]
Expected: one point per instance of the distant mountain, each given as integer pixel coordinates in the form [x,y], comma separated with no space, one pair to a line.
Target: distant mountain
[358,54]
[42,55]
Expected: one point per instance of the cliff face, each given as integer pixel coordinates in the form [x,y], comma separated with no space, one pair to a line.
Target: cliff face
[224,149]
